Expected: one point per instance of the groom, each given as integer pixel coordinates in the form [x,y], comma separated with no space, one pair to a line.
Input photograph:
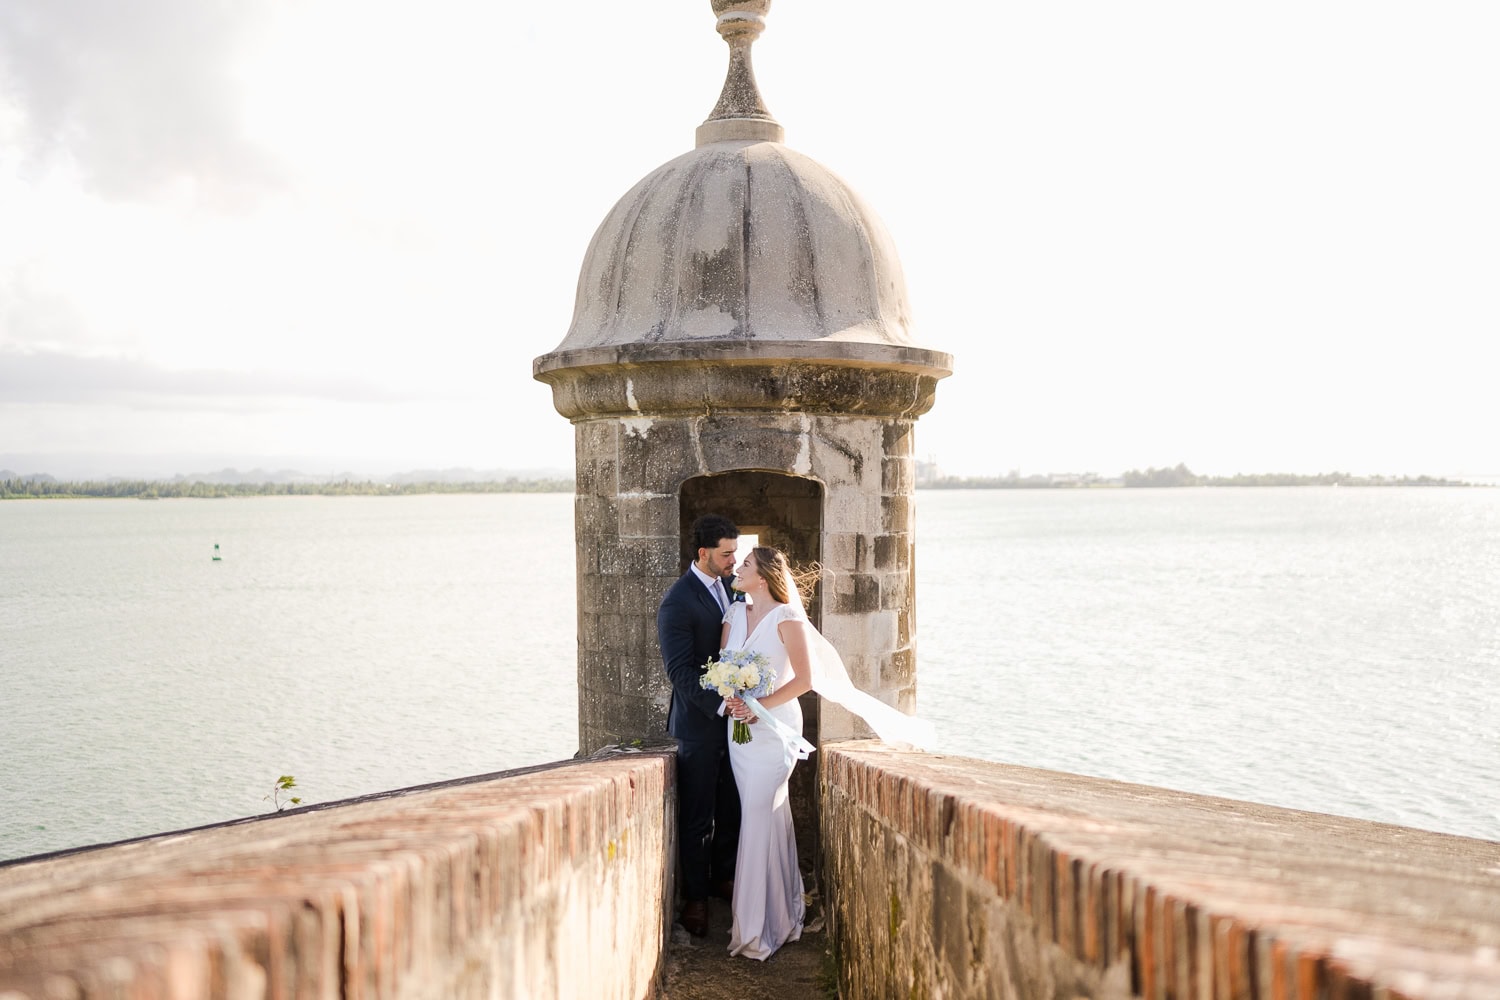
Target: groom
[708,804]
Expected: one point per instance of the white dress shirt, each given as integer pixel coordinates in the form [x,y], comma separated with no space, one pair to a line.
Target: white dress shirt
[715,588]
[714,585]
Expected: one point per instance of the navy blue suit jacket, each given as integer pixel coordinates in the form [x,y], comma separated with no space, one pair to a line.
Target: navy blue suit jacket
[688,626]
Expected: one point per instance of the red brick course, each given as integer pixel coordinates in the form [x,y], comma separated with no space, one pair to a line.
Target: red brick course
[973,879]
[547,882]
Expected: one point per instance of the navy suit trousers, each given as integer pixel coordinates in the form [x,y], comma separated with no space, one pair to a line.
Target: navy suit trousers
[708,816]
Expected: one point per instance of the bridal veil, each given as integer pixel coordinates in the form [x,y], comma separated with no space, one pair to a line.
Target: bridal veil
[830,679]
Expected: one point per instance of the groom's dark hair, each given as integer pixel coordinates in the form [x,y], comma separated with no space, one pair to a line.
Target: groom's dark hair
[709,529]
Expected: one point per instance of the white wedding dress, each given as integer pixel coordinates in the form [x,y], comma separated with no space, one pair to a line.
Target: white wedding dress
[768,905]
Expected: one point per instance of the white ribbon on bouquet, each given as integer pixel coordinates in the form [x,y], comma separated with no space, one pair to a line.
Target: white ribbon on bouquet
[793,740]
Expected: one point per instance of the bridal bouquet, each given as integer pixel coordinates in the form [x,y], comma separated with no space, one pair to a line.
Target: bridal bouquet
[739,672]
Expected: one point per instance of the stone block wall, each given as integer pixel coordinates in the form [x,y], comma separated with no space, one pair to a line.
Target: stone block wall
[869,601]
[547,882]
[950,877]
[631,506]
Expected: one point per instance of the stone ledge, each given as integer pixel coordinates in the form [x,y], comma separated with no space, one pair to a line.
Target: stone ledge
[647,391]
[968,878]
[548,881]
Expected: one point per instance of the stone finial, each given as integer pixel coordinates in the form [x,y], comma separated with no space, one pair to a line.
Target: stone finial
[740,113]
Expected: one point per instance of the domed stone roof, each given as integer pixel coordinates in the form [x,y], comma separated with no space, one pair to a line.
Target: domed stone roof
[740,251]
[740,240]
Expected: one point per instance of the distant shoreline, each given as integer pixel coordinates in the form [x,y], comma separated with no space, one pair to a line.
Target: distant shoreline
[1239,480]
[125,489]
[1178,475]
[42,488]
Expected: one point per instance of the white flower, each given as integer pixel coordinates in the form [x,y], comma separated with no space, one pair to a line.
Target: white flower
[737,671]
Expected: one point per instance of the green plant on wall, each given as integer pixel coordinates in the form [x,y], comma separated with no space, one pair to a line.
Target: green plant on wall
[285,783]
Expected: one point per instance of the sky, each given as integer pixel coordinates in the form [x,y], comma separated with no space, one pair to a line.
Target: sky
[332,235]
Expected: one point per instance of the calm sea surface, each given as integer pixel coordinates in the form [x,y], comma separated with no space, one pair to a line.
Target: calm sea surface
[1336,650]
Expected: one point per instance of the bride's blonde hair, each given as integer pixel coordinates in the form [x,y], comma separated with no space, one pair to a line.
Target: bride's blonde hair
[773,567]
[830,678]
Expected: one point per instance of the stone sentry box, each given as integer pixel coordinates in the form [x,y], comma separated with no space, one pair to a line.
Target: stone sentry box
[741,344]
[831,489]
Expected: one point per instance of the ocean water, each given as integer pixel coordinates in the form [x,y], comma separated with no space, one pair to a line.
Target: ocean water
[356,643]
[1324,649]
[1335,650]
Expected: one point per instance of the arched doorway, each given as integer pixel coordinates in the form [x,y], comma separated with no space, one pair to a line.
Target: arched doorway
[785,512]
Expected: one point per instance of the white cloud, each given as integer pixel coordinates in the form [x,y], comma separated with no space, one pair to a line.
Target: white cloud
[139,98]
[58,377]
[1246,238]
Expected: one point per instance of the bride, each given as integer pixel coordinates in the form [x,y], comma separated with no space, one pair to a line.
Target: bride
[768,905]
[767,902]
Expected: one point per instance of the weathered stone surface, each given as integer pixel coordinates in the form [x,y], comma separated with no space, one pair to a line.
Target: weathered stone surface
[950,877]
[893,551]
[898,676]
[688,254]
[544,882]
[899,437]
[647,515]
[852,510]
[805,482]
[646,386]
[635,558]
[602,668]
[844,451]
[898,475]
[596,465]
[855,594]
[734,442]
[741,344]
[897,514]
[895,595]
[654,455]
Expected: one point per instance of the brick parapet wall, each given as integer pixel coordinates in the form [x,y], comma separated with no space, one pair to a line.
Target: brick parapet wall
[951,877]
[545,882]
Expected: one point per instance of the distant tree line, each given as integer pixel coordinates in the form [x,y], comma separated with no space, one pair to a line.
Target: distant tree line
[1181,475]
[1009,483]
[12,489]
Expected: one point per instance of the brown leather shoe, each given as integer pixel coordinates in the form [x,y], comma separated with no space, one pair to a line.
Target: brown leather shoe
[695,917]
[724,889]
